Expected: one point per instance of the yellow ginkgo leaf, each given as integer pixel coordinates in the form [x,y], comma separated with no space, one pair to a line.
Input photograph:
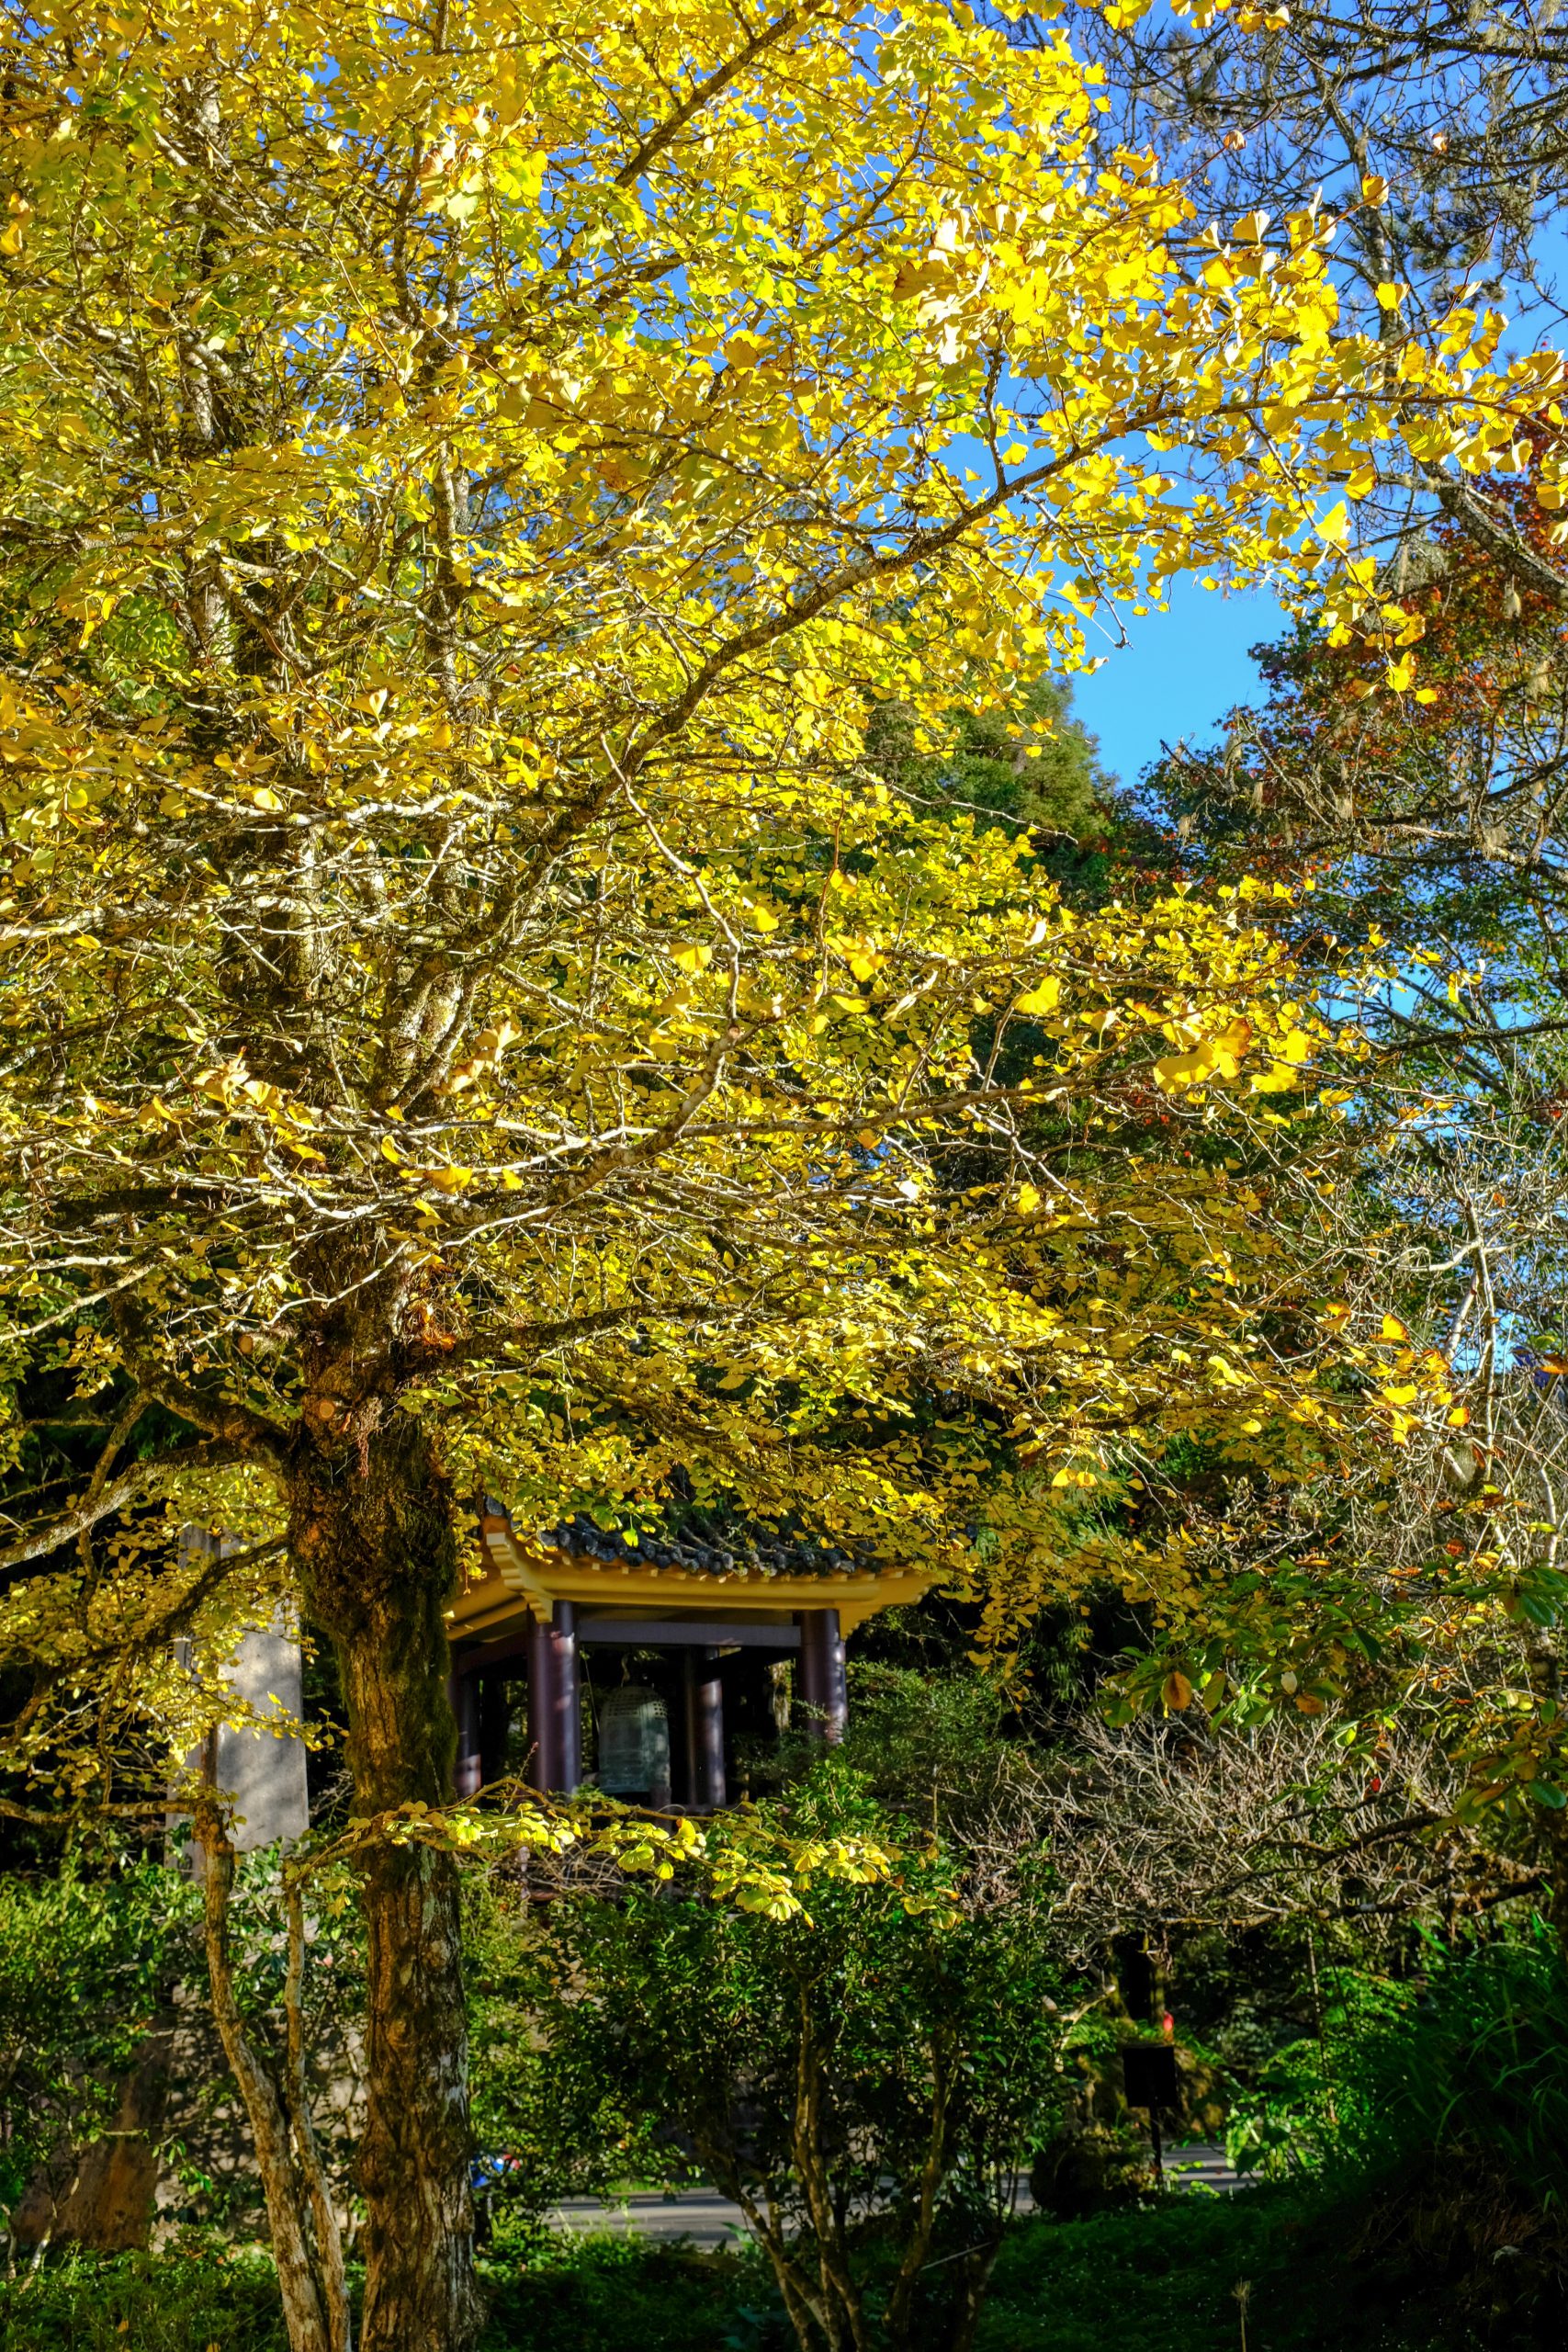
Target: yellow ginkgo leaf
[1044,997]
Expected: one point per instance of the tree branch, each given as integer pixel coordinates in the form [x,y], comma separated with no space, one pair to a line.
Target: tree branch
[139,1483]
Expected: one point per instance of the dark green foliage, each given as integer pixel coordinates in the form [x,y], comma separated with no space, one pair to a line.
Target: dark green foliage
[1031,766]
[1033,762]
[138,2303]
[1464,2064]
[85,1964]
[1473,2057]
[898,2048]
[602,2296]
[1440,2104]
[1162,2276]
[93,1964]
[543,2131]
[622,2295]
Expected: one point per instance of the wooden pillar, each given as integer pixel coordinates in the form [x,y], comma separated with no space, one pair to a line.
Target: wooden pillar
[569,1695]
[467,1770]
[495,1724]
[823,1688]
[705,1729]
[538,1766]
[555,1722]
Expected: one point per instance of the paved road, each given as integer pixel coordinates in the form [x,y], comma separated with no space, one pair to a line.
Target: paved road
[706,2219]
[1201,2164]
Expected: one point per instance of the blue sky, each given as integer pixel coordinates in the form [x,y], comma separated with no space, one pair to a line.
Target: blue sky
[1178,674]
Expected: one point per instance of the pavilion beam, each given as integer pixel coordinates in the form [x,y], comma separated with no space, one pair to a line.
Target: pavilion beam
[682,1633]
[637,1633]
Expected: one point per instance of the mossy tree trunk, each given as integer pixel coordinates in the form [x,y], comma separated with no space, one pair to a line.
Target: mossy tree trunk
[371,1530]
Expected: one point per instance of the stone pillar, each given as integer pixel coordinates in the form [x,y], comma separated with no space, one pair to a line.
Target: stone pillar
[823,1689]
[466,1770]
[263,1775]
[555,1720]
[705,1729]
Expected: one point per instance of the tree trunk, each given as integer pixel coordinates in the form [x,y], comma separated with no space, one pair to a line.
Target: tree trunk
[330,2272]
[1551,1823]
[371,1530]
[972,2286]
[922,2226]
[840,2309]
[304,2311]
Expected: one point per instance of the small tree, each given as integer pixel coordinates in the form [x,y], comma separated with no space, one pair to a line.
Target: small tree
[863,2081]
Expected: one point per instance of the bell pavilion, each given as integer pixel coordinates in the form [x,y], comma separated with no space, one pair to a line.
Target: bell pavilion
[681,1654]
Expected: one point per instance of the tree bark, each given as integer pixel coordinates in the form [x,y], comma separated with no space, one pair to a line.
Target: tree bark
[330,2272]
[371,1530]
[304,2313]
[916,2250]
[975,2280]
[1551,1823]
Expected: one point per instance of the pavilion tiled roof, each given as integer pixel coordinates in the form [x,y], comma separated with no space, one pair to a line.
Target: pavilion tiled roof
[698,1566]
[698,1550]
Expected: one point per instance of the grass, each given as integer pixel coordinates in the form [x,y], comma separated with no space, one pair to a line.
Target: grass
[1162,2278]
[1166,2279]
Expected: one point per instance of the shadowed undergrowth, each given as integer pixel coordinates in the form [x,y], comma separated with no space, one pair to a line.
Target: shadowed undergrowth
[1386,2275]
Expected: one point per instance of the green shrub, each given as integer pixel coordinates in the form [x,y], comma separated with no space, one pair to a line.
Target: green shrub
[85,1965]
[1163,2276]
[1472,2054]
[619,2295]
[138,2302]
[870,2078]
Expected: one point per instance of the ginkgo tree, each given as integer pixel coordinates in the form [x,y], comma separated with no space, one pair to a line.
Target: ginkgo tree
[473,1014]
